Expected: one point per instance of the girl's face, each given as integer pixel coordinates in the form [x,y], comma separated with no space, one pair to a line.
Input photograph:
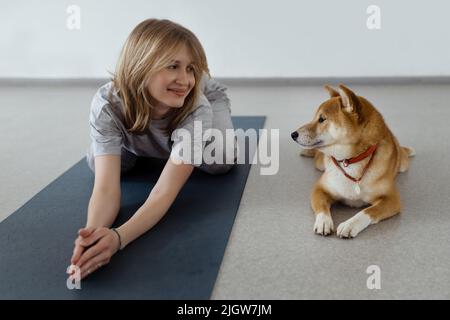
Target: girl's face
[170,86]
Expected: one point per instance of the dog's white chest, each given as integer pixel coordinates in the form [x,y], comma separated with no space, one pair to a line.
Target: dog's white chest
[342,185]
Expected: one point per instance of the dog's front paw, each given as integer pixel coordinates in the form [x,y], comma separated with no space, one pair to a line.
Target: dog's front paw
[354,225]
[308,153]
[324,224]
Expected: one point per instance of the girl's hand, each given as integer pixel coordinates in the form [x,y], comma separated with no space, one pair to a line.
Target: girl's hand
[78,250]
[97,249]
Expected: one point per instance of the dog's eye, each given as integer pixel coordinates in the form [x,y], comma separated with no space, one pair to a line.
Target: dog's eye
[321,119]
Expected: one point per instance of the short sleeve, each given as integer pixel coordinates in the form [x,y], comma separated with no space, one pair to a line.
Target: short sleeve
[105,134]
[190,137]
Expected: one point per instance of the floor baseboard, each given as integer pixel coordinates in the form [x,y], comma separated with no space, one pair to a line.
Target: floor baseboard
[243,81]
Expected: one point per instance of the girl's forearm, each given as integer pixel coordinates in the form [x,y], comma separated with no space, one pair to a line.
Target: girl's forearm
[146,216]
[103,208]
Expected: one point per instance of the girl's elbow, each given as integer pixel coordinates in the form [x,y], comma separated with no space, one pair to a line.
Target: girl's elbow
[159,192]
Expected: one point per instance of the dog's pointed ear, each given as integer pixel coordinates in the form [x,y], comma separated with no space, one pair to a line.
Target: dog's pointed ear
[350,101]
[333,93]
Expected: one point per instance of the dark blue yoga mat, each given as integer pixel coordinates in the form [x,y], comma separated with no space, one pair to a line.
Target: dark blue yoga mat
[178,259]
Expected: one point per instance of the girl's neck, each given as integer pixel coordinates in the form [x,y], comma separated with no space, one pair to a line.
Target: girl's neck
[160,113]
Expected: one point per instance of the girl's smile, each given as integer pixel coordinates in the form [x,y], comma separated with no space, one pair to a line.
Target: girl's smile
[180,92]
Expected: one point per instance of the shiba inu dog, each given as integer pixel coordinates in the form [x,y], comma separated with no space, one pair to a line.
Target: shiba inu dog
[360,158]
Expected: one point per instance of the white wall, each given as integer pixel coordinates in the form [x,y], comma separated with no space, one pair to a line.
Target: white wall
[252,38]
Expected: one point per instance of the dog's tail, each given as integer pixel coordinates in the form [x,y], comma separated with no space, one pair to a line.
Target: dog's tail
[404,161]
[410,152]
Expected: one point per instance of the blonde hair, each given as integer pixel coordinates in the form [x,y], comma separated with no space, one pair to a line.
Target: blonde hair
[148,49]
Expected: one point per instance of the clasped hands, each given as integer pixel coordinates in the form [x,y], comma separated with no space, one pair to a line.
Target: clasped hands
[94,248]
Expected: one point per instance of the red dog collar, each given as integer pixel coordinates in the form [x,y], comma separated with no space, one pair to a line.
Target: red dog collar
[362,156]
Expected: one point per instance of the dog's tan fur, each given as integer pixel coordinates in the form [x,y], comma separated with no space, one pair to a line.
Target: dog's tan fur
[351,125]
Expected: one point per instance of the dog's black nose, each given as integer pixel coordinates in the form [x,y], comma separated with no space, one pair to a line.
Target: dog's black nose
[294,135]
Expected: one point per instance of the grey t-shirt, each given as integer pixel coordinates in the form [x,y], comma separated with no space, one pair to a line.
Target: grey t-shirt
[109,135]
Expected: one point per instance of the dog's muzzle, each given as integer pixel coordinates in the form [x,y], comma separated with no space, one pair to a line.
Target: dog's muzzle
[305,140]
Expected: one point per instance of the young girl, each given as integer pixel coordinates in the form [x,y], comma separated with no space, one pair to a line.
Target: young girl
[160,85]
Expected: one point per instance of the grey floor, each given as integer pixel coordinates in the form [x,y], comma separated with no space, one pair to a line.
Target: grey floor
[272,252]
